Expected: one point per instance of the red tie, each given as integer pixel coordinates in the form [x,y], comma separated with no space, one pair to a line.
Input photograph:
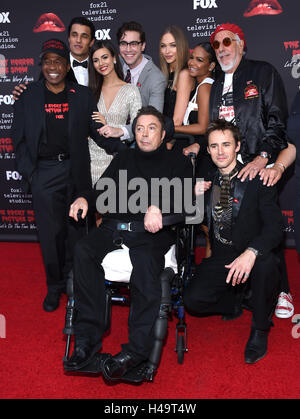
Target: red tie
[128,77]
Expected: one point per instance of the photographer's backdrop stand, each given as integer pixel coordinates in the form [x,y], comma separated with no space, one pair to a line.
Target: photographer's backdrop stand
[272,34]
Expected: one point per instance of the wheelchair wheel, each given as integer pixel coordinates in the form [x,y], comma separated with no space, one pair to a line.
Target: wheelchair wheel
[180,349]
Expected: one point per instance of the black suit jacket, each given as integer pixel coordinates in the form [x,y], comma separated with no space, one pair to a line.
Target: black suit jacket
[256,216]
[260,107]
[29,129]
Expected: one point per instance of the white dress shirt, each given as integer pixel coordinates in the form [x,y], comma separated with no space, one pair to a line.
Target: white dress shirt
[136,71]
[81,73]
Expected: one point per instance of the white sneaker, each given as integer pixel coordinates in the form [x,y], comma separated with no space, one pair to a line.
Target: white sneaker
[284,308]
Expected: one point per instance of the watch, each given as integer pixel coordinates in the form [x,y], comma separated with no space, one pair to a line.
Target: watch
[265,155]
[256,252]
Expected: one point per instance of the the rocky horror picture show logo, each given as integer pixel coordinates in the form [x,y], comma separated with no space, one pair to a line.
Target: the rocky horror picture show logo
[49,22]
[263,7]
[293,61]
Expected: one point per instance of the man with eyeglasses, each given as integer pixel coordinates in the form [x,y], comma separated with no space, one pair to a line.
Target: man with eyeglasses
[139,68]
[250,94]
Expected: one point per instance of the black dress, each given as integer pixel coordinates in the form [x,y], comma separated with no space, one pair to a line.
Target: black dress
[170,98]
[205,166]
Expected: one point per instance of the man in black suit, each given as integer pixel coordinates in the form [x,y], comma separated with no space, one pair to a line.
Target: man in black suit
[245,226]
[52,120]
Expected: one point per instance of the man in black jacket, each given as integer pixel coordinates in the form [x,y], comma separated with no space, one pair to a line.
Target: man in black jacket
[52,120]
[251,94]
[245,227]
[138,223]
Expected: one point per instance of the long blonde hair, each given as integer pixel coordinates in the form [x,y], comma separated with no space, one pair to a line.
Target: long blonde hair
[182,49]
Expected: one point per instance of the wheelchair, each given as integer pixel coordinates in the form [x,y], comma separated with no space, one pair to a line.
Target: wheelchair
[179,266]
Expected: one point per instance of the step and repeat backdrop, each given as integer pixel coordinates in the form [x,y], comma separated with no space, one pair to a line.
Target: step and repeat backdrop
[272,34]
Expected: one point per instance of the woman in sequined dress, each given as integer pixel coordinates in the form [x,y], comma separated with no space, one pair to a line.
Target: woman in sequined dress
[118,102]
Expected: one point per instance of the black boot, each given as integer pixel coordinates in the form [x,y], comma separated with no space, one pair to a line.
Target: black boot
[257,344]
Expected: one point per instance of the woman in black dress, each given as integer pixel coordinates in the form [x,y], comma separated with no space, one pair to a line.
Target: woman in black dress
[174,54]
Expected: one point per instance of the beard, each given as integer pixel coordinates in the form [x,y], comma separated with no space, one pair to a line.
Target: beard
[230,65]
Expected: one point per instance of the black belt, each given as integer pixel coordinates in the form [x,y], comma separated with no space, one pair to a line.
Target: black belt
[132,226]
[138,226]
[58,157]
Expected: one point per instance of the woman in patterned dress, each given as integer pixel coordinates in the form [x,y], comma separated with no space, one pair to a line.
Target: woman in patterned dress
[118,102]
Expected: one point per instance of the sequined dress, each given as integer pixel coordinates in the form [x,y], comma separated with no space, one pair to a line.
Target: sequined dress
[126,103]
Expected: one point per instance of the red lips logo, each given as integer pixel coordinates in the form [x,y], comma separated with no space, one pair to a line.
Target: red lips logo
[263,7]
[49,22]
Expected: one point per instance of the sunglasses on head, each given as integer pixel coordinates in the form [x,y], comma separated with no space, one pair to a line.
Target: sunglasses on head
[226,42]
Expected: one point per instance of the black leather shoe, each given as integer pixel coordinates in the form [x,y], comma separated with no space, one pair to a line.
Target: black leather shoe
[82,355]
[256,347]
[51,302]
[115,367]
[95,365]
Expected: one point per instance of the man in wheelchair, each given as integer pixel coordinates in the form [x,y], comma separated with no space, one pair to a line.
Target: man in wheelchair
[135,219]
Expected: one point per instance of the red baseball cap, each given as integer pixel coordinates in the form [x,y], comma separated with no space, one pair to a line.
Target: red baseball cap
[57,46]
[228,27]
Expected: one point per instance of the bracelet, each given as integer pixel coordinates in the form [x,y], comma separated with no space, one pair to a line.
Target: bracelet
[280,164]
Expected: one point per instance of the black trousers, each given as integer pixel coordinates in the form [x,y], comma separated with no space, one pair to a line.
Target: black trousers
[52,193]
[147,257]
[208,293]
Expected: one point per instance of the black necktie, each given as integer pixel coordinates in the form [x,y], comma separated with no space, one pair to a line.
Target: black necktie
[128,77]
[82,64]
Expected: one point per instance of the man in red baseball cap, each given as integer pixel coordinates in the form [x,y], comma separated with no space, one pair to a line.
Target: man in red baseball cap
[228,40]
[250,94]
[52,121]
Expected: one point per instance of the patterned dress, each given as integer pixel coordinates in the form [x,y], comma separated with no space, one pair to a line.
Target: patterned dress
[126,104]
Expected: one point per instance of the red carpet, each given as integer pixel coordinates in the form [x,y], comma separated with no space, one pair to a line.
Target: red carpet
[32,351]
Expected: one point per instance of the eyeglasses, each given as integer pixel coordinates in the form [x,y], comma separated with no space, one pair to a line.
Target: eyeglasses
[133,44]
[226,42]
